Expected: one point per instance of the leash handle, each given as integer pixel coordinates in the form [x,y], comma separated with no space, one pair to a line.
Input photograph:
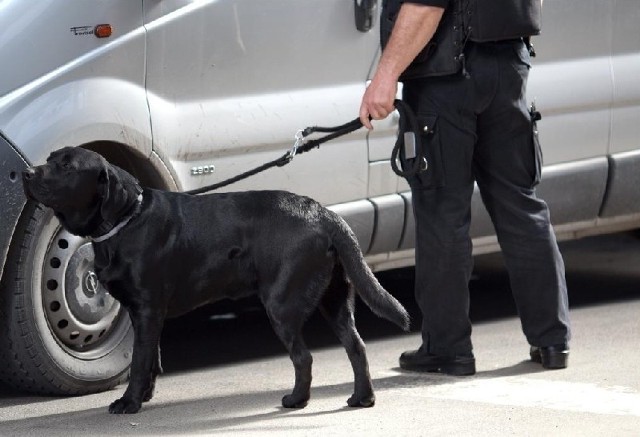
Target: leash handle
[407,123]
[354,124]
[334,132]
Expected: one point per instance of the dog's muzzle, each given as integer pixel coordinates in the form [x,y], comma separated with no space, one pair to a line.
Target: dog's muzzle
[28,174]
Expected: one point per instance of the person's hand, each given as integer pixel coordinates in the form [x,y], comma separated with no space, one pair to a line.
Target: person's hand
[377,101]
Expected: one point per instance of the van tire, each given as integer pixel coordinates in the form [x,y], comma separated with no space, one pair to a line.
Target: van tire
[38,356]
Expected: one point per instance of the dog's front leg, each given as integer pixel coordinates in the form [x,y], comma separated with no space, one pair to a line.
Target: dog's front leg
[145,364]
[157,370]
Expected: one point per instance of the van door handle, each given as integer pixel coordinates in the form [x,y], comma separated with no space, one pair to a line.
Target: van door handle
[364,11]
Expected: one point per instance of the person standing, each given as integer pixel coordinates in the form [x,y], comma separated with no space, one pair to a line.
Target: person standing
[464,66]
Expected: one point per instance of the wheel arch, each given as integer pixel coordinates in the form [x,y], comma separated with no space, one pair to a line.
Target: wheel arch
[151,171]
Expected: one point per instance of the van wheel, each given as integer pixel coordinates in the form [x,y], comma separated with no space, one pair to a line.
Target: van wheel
[62,333]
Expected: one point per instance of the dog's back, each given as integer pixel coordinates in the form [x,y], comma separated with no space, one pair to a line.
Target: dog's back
[227,241]
[294,215]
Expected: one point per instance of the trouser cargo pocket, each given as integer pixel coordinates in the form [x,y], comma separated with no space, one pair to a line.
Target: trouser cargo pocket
[433,175]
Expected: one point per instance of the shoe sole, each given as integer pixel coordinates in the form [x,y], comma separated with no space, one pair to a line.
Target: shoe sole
[454,369]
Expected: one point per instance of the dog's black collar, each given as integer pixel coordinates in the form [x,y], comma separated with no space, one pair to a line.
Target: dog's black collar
[120,225]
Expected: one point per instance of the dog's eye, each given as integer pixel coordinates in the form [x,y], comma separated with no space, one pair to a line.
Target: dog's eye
[66,165]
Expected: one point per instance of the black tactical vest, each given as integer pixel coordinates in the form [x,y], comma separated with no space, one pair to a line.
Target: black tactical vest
[497,20]
[464,20]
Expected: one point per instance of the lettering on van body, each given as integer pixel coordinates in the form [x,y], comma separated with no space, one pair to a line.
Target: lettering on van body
[82,30]
[202,170]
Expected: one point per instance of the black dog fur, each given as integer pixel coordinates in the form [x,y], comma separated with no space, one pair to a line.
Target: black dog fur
[179,251]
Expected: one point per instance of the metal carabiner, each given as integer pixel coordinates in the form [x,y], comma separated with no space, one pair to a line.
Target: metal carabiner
[299,137]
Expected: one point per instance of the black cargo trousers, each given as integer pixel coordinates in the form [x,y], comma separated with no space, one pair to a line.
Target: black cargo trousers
[479,129]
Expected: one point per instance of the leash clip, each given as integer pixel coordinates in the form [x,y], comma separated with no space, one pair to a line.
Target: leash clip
[299,137]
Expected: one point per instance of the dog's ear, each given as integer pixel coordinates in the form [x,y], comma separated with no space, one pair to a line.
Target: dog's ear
[103,182]
[118,191]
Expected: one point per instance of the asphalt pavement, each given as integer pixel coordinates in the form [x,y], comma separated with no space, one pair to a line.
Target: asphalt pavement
[226,371]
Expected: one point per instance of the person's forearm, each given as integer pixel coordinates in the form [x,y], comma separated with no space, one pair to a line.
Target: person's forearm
[414,28]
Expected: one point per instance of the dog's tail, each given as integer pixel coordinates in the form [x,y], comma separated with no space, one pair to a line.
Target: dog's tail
[379,300]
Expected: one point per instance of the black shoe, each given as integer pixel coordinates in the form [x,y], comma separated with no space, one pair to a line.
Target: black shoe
[421,361]
[551,357]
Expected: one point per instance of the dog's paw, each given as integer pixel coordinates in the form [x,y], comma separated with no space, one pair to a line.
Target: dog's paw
[289,401]
[362,401]
[124,406]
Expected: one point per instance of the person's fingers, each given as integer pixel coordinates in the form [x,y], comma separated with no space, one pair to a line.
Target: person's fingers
[364,116]
[379,112]
[377,102]
[389,106]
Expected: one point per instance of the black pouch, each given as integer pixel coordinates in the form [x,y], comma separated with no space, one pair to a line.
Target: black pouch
[433,175]
[537,149]
[440,56]
[498,20]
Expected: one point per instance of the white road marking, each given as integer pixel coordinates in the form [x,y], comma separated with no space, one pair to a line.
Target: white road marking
[531,392]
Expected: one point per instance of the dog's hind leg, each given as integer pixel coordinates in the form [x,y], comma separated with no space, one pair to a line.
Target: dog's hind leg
[289,302]
[337,306]
[289,330]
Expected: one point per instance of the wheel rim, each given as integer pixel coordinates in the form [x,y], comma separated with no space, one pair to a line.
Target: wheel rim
[85,320]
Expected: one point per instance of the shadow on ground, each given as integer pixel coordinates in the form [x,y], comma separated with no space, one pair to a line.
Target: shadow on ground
[599,269]
[227,411]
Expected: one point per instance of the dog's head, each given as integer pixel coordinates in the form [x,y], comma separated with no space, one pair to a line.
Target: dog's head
[86,193]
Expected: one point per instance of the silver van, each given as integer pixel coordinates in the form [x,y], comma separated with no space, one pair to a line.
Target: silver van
[185,93]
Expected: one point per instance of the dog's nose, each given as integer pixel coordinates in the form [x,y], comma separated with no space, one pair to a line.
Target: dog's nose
[28,174]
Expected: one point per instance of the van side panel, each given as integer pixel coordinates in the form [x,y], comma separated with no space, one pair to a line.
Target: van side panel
[75,88]
[230,82]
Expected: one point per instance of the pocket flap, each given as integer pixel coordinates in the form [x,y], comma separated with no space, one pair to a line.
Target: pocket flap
[427,122]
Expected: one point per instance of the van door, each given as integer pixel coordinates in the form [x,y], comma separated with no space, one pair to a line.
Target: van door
[230,82]
[572,84]
[623,196]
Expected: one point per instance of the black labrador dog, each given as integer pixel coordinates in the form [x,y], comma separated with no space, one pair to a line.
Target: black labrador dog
[162,254]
